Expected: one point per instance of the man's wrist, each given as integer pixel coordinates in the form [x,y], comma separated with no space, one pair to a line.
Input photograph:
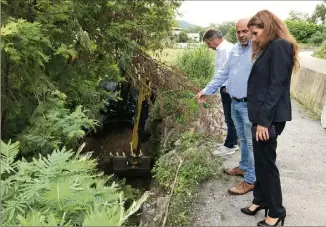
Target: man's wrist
[205,92]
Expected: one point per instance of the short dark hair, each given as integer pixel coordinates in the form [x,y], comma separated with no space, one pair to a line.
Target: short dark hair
[212,32]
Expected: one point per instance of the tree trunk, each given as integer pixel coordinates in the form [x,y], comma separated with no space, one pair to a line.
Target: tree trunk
[5,89]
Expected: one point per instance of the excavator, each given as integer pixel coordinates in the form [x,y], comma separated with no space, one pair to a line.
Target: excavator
[144,75]
[136,97]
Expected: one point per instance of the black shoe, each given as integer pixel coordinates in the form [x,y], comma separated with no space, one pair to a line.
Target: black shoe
[247,211]
[263,223]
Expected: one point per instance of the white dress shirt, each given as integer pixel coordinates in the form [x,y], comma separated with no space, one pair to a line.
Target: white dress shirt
[222,54]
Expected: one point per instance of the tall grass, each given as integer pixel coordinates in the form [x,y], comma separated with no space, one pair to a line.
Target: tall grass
[198,64]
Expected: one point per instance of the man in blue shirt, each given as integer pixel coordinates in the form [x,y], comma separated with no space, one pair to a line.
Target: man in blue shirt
[236,70]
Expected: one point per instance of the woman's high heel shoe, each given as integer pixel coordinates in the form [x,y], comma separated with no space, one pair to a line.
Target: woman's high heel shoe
[281,219]
[247,211]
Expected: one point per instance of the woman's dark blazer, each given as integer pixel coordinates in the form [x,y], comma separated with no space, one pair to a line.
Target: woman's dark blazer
[269,81]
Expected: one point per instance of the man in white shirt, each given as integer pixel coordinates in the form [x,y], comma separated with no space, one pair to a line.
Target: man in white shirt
[214,40]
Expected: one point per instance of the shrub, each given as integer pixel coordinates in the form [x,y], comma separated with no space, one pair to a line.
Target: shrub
[197,166]
[198,64]
[318,37]
[321,51]
[177,104]
[301,30]
[179,110]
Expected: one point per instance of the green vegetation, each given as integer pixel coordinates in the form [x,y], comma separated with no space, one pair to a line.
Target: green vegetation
[198,64]
[225,26]
[60,188]
[302,30]
[197,165]
[178,105]
[55,56]
[177,110]
[321,51]
[231,35]
[182,37]
[310,29]
[320,13]
[69,47]
[318,37]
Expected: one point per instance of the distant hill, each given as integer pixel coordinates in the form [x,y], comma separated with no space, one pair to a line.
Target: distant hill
[185,24]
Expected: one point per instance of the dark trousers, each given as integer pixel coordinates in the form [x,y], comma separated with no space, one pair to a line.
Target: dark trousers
[231,138]
[268,186]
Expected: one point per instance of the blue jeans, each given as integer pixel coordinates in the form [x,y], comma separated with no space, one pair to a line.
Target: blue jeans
[231,138]
[239,112]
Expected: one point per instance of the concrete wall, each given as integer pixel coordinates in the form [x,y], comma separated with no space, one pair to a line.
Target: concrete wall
[309,88]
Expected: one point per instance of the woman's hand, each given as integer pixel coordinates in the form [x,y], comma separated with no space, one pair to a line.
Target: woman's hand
[262,133]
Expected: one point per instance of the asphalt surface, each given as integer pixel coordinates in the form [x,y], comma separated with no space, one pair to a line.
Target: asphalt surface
[316,64]
[302,164]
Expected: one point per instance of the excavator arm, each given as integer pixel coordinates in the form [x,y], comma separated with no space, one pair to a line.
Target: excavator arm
[134,159]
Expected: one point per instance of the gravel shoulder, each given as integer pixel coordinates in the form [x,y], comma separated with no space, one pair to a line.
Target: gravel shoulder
[302,164]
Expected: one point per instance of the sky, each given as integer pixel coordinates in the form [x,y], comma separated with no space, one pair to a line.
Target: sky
[203,13]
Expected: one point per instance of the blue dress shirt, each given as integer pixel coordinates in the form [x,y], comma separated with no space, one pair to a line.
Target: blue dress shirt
[236,70]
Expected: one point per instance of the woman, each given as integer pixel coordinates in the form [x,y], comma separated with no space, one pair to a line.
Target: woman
[275,55]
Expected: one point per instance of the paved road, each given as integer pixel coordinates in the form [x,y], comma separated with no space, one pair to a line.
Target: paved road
[302,164]
[307,61]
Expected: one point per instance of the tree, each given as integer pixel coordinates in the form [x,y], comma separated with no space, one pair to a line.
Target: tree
[225,26]
[319,13]
[54,56]
[213,25]
[295,15]
[69,47]
[318,37]
[195,29]
[201,33]
[231,35]
[182,37]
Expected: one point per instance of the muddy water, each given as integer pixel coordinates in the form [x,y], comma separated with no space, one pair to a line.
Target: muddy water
[114,138]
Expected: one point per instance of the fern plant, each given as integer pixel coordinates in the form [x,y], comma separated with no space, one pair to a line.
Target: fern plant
[8,154]
[60,188]
[54,125]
